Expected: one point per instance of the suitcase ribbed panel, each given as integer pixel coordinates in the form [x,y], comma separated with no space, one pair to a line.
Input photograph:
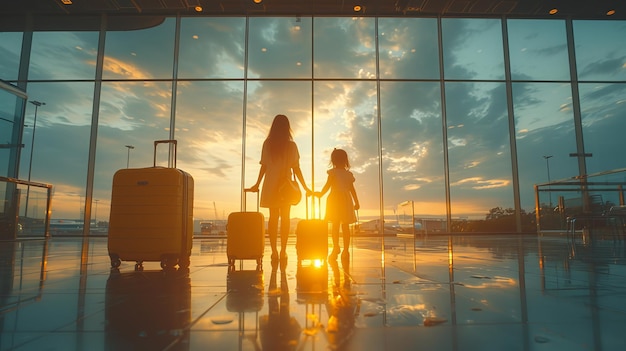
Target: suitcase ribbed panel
[246,235]
[151,213]
[312,239]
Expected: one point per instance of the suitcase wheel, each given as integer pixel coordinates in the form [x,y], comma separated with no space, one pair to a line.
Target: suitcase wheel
[184,262]
[169,262]
[115,261]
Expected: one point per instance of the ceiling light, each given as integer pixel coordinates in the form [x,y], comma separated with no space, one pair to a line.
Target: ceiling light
[198,8]
[553,11]
[257,1]
[66,2]
[357,8]
[610,12]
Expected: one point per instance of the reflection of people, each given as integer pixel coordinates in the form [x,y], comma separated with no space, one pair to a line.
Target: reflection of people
[339,205]
[279,330]
[278,158]
[341,308]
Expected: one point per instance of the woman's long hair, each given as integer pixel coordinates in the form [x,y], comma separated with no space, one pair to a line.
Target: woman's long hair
[279,136]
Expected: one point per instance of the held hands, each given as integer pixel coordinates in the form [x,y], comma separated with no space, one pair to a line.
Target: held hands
[314,193]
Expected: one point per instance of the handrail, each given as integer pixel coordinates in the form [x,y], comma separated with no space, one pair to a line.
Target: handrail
[25,182]
[46,186]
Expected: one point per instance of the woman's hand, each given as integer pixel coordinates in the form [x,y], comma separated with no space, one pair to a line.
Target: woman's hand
[253,189]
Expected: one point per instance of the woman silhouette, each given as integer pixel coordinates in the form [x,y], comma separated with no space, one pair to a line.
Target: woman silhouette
[279,157]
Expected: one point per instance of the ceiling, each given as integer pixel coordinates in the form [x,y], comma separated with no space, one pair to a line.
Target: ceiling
[584,9]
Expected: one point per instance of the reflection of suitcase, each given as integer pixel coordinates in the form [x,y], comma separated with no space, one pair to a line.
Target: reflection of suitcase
[245,235]
[312,236]
[147,310]
[151,215]
[312,283]
[245,290]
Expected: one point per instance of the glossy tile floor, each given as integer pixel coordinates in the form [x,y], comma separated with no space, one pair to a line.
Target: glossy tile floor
[448,293]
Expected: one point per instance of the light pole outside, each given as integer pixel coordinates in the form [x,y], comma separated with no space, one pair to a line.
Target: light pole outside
[548,168]
[32,146]
[96,214]
[128,157]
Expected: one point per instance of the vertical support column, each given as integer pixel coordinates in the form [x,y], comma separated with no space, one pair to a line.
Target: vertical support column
[511,116]
[95,117]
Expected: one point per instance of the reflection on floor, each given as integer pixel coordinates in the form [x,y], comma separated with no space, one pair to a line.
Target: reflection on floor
[449,293]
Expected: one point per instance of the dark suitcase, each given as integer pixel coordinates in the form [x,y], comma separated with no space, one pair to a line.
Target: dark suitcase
[245,235]
[151,215]
[312,236]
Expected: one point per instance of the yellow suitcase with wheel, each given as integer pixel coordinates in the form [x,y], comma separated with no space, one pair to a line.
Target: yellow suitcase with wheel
[151,215]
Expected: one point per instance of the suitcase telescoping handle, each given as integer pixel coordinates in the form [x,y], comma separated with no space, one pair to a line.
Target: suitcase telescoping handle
[319,199]
[245,196]
[171,142]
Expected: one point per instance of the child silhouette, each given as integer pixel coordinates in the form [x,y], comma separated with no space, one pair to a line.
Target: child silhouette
[342,200]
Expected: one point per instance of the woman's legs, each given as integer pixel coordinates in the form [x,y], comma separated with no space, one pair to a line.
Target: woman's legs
[285,223]
[272,229]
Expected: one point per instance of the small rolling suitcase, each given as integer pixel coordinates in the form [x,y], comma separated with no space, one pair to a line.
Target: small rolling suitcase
[245,235]
[312,236]
[151,215]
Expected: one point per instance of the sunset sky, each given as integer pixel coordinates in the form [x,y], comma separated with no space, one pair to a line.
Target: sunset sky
[322,73]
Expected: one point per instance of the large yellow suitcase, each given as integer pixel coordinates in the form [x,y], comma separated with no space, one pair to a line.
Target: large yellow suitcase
[151,215]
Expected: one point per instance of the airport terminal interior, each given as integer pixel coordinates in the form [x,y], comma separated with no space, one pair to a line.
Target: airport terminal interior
[484,137]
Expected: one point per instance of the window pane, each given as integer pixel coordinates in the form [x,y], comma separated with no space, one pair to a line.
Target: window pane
[61,143]
[265,101]
[479,156]
[280,47]
[134,114]
[408,48]
[211,47]
[63,55]
[140,54]
[600,54]
[472,48]
[10,51]
[346,118]
[603,109]
[209,133]
[538,50]
[544,126]
[413,152]
[345,48]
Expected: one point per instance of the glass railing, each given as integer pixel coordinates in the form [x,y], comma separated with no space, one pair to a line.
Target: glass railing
[595,194]
[24,208]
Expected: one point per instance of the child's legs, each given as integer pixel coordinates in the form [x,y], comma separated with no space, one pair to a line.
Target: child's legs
[335,232]
[345,228]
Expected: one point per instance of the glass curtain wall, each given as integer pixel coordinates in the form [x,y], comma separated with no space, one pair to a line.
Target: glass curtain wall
[422,106]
